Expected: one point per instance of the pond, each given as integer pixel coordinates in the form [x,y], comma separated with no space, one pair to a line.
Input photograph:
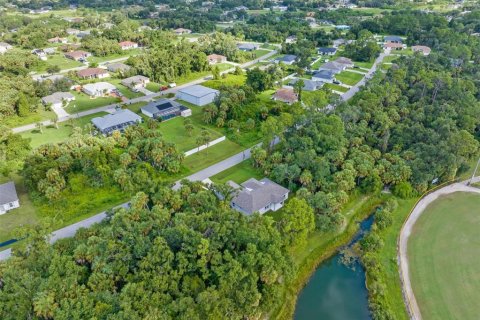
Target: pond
[336,291]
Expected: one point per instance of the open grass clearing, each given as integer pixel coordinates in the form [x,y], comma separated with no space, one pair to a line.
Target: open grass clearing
[84,102]
[349,78]
[443,251]
[260,52]
[367,65]
[229,80]
[58,59]
[40,115]
[123,54]
[127,92]
[239,173]
[335,87]
[53,135]
[211,155]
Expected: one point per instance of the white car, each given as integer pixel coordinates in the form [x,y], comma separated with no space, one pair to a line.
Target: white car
[172,85]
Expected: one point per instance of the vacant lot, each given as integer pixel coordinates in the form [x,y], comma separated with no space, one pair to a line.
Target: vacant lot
[239,173]
[349,78]
[444,265]
[84,102]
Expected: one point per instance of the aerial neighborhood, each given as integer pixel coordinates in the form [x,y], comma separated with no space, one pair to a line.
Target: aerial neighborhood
[239,159]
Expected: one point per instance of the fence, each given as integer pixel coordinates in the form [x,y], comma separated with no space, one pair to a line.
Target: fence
[205,146]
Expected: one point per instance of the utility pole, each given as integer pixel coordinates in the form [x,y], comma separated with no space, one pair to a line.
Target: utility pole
[474,171]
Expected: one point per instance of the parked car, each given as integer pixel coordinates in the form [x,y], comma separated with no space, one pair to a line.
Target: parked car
[172,85]
[336,82]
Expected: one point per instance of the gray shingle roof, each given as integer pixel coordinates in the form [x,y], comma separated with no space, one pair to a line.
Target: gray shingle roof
[287,58]
[259,194]
[324,74]
[115,119]
[57,97]
[393,38]
[308,85]
[327,50]
[8,193]
[198,91]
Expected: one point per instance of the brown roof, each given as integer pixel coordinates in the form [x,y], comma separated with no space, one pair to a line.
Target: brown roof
[344,60]
[77,54]
[216,57]
[285,95]
[91,72]
[127,43]
[393,45]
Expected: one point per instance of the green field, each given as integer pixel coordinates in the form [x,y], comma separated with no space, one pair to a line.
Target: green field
[230,80]
[16,121]
[84,102]
[239,173]
[123,54]
[349,78]
[336,87]
[443,250]
[125,90]
[59,60]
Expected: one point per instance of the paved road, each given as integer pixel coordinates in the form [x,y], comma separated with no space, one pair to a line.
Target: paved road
[353,90]
[409,296]
[145,98]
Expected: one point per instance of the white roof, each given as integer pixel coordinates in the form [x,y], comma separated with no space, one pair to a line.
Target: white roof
[198,91]
[99,86]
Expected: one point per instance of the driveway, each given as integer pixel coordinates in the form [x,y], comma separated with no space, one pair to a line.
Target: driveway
[408,294]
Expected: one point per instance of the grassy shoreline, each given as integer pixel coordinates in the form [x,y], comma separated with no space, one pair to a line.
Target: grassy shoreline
[360,208]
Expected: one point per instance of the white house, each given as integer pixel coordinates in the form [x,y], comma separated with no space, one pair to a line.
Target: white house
[8,197]
[197,95]
[127,45]
[56,99]
[135,82]
[4,47]
[98,89]
[258,196]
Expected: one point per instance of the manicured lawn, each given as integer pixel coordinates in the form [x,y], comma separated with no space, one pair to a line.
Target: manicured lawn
[135,107]
[239,173]
[367,65]
[230,80]
[15,218]
[349,78]
[84,102]
[53,135]
[336,87]
[268,46]
[40,115]
[58,59]
[212,155]
[390,58]
[154,87]
[444,252]
[174,131]
[124,90]
[260,52]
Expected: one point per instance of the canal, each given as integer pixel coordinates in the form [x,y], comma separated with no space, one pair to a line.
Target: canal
[336,291]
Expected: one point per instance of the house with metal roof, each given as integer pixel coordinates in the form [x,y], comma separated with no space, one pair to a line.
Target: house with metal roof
[8,197]
[327,76]
[57,99]
[119,120]
[135,82]
[259,196]
[327,51]
[197,95]
[165,109]
[98,89]
[288,59]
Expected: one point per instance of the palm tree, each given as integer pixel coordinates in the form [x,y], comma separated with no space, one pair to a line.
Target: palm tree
[39,126]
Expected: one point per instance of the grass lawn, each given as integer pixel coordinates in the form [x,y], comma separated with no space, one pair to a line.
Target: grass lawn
[212,155]
[123,54]
[58,59]
[16,121]
[135,107]
[84,102]
[154,87]
[53,135]
[174,131]
[389,59]
[349,78]
[124,90]
[367,65]
[24,215]
[268,46]
[230,80]
[239,173]
[336,87]
[443,250]
[260,52]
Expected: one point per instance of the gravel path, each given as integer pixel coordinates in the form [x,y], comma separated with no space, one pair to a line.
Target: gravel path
[408,294]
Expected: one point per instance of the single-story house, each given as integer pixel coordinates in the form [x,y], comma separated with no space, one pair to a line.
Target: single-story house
[92,73]
[119,120]
[72,31]
[53,78]
[259,196]
[327,76]
[126,45]
[98,89]
[165,109]
[288,59]
[118,67]
[216,58]
[83,34]
[308,85]
[197,95]
[422,49]
[8,197]
[291,39]
[40,53]
[58,40]
[286,95]
[342,27]
[345,61]
[338,42]
[135,82]
[393,39]
[180,31]
[77,55]
[247,46]
[56,99]
[389,46]
[4,47]
[326,51]
[333,66]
